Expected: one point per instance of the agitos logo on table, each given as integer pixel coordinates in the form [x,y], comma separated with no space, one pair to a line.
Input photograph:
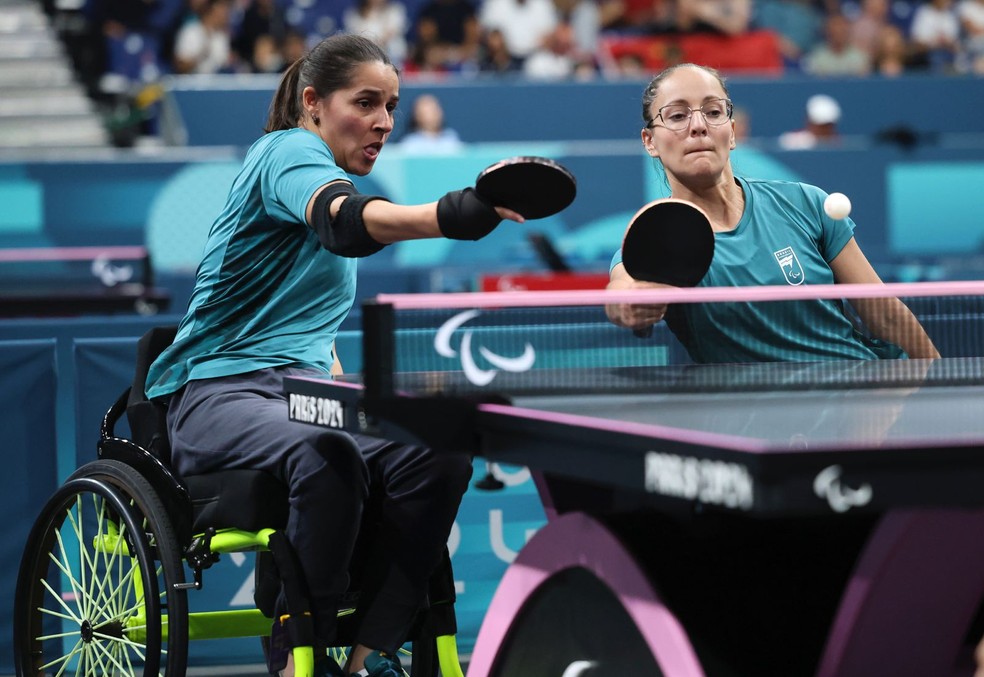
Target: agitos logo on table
[475,374]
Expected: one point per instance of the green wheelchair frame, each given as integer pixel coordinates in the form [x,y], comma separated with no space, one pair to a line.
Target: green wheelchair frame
[102,587]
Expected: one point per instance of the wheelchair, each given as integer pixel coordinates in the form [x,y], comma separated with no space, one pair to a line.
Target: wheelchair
[110,561]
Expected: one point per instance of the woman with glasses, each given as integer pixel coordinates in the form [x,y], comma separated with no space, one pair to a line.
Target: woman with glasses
[765,233]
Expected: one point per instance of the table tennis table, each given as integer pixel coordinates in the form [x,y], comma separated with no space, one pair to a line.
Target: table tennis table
[70,281]
[819,518]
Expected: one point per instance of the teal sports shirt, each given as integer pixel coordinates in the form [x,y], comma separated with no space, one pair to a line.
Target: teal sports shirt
[783,237]
[267,294]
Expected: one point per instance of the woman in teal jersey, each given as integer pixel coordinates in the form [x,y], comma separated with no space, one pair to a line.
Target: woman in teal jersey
[766,233]
[275,283]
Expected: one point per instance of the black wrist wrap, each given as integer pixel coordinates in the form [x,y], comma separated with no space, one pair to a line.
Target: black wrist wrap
[346,234]
[466,215]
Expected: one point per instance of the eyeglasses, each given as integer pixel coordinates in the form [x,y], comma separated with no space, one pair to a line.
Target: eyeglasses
[676,116]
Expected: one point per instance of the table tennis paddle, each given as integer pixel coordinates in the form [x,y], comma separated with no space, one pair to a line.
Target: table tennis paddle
[535,187]
[668,241]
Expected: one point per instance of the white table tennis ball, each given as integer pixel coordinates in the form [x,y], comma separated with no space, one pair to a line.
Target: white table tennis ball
[837,206]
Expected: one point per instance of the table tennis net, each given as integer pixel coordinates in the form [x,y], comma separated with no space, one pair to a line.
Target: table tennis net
[546,342]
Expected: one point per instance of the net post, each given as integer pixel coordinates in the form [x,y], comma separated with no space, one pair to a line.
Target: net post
[378,349]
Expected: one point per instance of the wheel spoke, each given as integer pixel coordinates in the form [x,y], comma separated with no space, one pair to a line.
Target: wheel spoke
[66,568]
[105,653]
[83,555]
[92,661]
[116,596]
[58,635]
[136,646]
[57,598]
[106,601]
[64,659]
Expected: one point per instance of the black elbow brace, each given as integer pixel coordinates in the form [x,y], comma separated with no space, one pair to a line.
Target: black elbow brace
[346,234]
[466,215]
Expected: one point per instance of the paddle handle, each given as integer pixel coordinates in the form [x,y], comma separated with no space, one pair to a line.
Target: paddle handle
[645,332]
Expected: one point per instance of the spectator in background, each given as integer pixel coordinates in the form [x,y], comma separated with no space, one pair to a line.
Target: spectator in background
[891,55]
[798,23]
[556,59]
[935,35]
[728,17]
[138,40]
[447,33]
[822,115]
[382,21]
[261,18]
[836,55]
[628,65]
[525,24]
[427,133]
[204,44]
[585,18]
[267,56]
[122,16]
[866,28]
[637,16]
[428,59]
[971,15]
[294,47]
[494,57]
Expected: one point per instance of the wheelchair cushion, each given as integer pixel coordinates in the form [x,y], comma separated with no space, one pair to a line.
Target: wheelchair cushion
[239,499]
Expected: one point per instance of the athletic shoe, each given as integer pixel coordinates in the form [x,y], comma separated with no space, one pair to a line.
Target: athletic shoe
[379,664]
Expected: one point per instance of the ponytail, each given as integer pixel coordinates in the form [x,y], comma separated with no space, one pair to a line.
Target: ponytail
[285,109]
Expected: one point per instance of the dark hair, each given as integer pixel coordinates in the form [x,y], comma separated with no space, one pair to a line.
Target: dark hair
[652,89]
[328,67]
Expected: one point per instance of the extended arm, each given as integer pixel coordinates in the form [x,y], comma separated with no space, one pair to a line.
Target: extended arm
[350,224]
[887,318]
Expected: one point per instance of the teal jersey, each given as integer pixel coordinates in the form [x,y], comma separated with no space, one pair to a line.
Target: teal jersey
[267,294]
[783,238]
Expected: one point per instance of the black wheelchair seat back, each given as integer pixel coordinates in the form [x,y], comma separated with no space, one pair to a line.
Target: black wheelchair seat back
[242,499]
[148,419]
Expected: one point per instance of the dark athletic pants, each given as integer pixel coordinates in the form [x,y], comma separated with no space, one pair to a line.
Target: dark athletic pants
[241,422]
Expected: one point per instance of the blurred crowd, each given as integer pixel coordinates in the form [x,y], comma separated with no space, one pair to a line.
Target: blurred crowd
[553,39]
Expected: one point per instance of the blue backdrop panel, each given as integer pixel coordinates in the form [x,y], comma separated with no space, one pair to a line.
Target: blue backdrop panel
[29,477]
[934,207]
[494,110]
[65,331]
[103,369]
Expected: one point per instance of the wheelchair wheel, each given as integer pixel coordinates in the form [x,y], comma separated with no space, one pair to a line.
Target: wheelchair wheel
[96,578]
